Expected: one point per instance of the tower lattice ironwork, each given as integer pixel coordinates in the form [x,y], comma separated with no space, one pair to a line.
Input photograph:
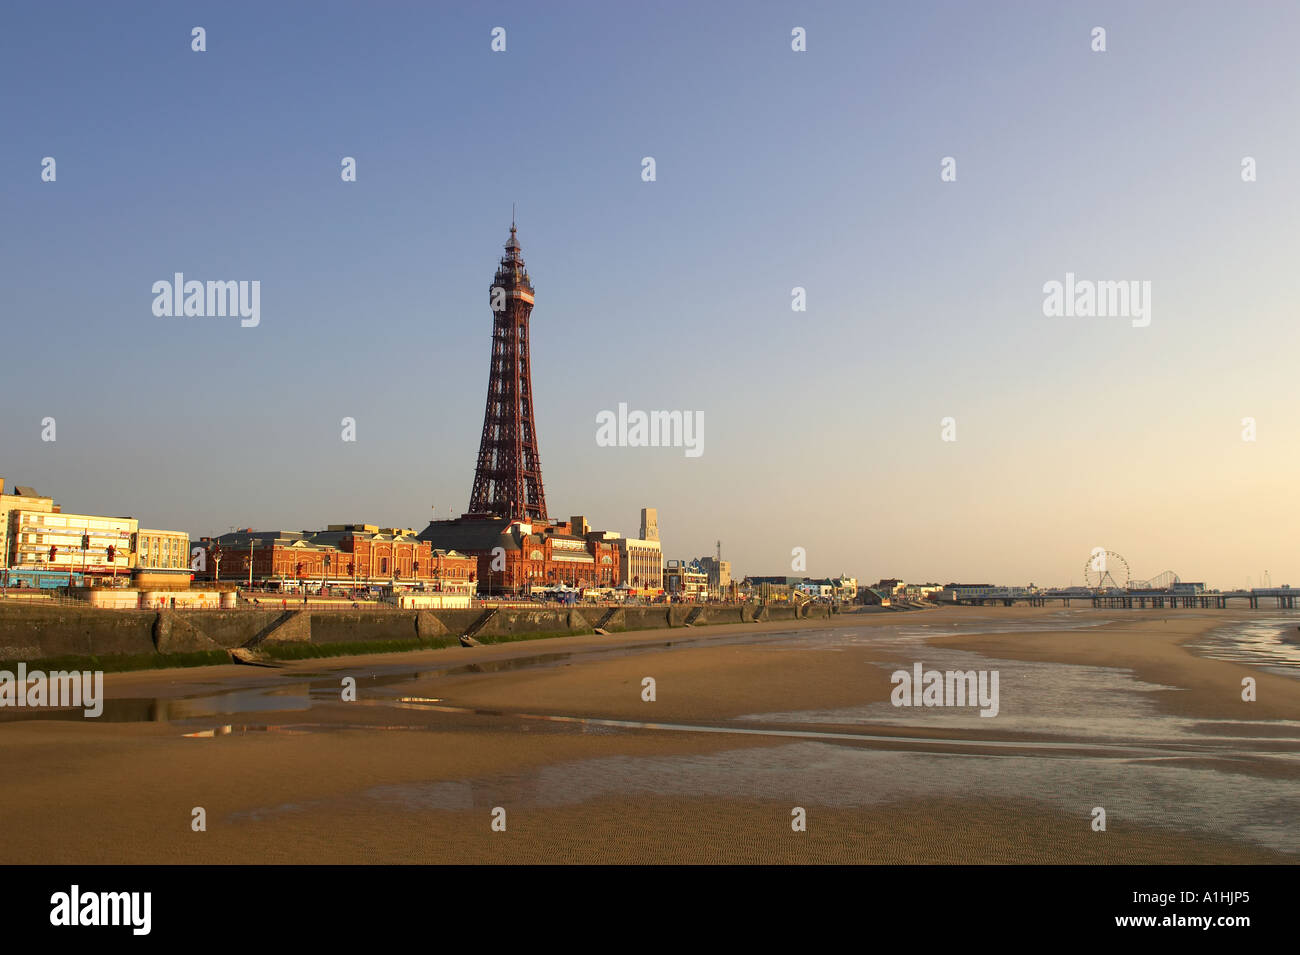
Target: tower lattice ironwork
[508,476]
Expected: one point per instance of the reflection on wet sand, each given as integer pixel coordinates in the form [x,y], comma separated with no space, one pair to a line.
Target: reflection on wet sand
[1067,737]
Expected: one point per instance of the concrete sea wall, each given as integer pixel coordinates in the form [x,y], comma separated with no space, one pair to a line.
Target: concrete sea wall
[31,632]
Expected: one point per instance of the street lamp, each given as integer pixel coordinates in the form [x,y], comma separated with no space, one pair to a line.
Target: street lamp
[8,550]
[112,559]
[85,546]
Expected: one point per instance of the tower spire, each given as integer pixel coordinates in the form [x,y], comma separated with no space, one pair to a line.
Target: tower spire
[512,246]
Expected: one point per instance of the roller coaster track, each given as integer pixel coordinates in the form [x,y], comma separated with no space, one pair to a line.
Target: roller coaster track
[1163,581]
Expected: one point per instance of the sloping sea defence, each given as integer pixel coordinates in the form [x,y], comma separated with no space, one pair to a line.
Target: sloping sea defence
[135,639]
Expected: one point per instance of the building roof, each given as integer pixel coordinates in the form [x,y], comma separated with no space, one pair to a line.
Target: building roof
[559,536]
[260,538]
[334,538]
[471,534]
[339,533]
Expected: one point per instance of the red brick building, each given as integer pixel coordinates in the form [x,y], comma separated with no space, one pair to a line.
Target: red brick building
[515,556]
[344,555]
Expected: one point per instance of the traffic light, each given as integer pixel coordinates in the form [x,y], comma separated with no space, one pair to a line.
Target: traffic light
[85,542]
[111,553]
[53,550]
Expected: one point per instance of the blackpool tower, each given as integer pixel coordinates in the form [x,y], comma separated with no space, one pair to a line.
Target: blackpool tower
[508,476]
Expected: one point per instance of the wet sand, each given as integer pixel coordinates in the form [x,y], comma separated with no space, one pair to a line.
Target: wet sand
[1150,643]
[548,730]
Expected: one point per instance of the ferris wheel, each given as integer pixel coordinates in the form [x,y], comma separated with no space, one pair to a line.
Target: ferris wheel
[1105,570]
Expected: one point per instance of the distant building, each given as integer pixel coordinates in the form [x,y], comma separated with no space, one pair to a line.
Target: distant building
[41,545]
[832,588]
[816,587]
[160,559]
[640,560]
[517,556]
[161,550]
[921,591]
[47,546]
[686,579]
[377,551]
[845,588]
[649,524]
[771,589]
[343,555]
[719,574]
[640,564]
[18,500]
[954,591]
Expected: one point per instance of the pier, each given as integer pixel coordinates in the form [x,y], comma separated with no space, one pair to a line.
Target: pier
[1284,598]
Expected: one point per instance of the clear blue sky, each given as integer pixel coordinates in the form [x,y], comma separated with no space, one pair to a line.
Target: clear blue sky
[775,169]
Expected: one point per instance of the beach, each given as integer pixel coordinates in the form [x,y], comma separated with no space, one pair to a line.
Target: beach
[555,741]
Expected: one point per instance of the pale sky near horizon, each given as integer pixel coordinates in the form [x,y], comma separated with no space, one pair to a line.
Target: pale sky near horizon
[775,169]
